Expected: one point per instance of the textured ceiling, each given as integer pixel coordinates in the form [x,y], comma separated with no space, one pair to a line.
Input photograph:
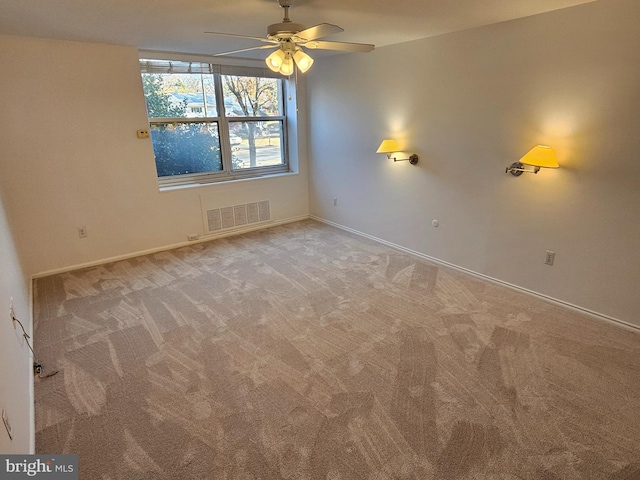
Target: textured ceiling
[178,25]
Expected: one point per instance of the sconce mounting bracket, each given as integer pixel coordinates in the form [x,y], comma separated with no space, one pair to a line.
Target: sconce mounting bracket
[516,169]
[413,159]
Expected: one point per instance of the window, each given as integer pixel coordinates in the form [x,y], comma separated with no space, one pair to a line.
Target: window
[211,122]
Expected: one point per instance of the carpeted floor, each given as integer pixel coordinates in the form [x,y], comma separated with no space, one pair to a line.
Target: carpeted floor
[304,352]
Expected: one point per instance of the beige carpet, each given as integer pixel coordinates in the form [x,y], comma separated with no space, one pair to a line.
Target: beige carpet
[304,352]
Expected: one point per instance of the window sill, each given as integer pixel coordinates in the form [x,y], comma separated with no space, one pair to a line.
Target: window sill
[222,181]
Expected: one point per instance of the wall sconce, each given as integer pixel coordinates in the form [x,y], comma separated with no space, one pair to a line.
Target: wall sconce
[390,146]
[538,157]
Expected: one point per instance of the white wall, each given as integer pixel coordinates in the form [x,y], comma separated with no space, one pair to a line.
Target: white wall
[70,157]
[16,381]
[470,103]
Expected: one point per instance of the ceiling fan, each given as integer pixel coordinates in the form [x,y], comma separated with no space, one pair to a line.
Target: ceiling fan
[289,38]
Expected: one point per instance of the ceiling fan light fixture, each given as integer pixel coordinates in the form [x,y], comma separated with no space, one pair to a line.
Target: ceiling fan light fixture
[287,65]
[288,38]
[275,60]
[303,61]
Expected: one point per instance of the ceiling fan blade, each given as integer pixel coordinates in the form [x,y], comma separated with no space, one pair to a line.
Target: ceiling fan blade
[260,39]
[243,50]
[318,31]
[341,46]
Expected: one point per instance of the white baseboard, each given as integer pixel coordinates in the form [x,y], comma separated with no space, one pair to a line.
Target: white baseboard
[600,316]
[205,238]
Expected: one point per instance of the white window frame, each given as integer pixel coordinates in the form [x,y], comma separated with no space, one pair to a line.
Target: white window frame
[148,64]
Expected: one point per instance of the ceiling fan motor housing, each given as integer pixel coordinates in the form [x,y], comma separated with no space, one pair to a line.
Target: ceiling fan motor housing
[284,30]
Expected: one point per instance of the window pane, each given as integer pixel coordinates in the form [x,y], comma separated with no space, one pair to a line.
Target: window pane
[190,133]
[209,96]
[184,148]
[251,96]
[256,144]
[179,95]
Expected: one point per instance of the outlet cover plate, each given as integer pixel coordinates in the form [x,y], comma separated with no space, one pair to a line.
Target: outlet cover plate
[549,257]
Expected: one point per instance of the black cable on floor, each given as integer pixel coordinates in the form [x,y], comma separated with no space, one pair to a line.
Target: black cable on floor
[37,366]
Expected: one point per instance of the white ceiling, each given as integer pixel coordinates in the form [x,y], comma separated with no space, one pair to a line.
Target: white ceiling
[178,25]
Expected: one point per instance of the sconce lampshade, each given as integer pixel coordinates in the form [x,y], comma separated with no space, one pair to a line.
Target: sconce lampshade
[388,146]
[540,156]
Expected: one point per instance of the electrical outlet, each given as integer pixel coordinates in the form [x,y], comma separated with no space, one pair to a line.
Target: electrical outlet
[82,232]
[335,201]
[7,425]
[549,257]
[193,237]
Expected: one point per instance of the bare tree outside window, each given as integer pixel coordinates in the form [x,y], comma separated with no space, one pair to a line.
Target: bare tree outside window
[252,97]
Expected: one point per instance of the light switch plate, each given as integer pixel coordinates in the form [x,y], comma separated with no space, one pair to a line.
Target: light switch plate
[7,425]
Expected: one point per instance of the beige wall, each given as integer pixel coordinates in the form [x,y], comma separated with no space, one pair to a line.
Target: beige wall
[70,157]
[472,102]
[16,381]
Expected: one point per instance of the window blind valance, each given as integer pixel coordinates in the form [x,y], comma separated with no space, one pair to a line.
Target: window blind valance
[176,66]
